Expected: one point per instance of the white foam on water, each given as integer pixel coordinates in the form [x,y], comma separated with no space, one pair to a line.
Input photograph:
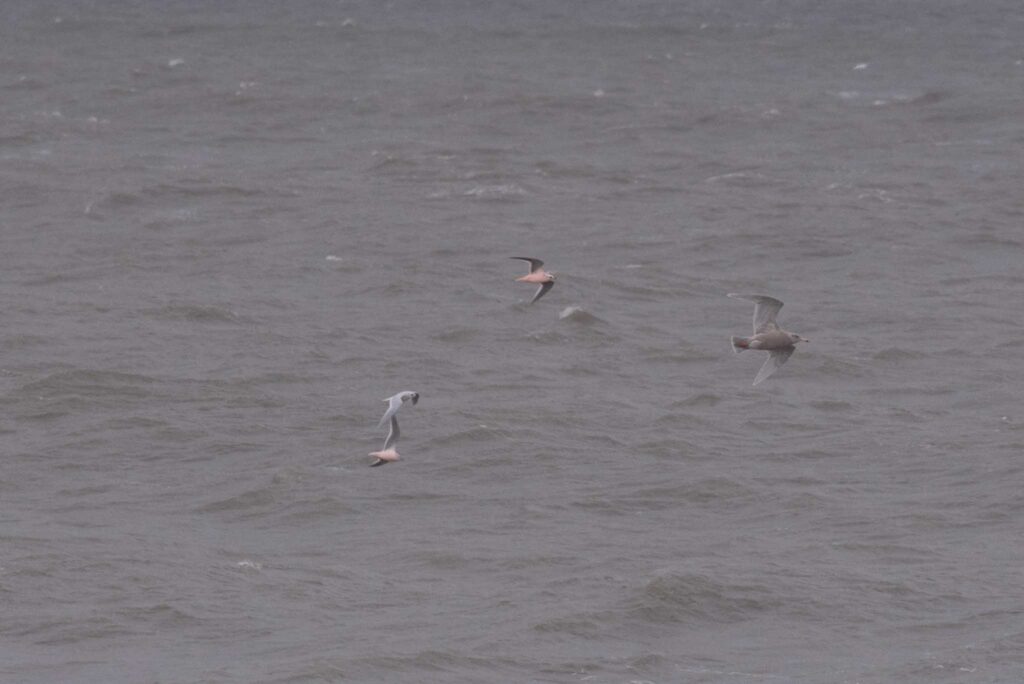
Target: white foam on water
[569,311]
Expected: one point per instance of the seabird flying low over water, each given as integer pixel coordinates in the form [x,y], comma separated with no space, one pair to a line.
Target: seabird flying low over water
[396,402]
[538,275]
[768,336]
[388,453]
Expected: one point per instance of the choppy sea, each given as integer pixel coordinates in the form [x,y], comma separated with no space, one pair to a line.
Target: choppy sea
[229,230]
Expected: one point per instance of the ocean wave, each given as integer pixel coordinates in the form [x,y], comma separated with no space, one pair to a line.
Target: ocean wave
[685,597]
[832,406]
[577,314]
[899,354]
[198,313]
[246,501]
[468,437]
[457,335]
[587,626]
[89,384]
[703,399]
[708,490]
[504,192]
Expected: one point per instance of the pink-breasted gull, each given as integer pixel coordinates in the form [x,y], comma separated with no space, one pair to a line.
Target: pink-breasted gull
[538,275]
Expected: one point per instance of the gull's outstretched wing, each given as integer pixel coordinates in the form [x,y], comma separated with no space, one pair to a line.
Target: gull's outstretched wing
[393,434]
[535,264]
[765,310]
[541,291]
[775,359]
[394,403]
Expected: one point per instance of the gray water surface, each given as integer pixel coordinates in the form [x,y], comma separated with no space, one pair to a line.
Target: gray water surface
[230,229]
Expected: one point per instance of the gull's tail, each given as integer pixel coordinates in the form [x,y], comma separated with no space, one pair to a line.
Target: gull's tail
[740,344]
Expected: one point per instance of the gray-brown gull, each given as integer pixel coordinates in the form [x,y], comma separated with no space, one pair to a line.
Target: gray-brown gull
[768,336]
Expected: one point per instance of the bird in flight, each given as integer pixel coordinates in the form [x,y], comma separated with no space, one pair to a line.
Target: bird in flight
[396,402]
[768,336]
[388,452]
[537,275]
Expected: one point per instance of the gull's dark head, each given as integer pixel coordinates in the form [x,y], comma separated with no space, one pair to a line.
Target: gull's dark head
[415,396]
